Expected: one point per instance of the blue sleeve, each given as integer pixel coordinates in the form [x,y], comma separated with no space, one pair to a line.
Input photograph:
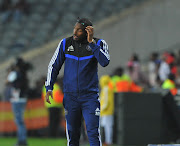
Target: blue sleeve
[55,65]
[101,52]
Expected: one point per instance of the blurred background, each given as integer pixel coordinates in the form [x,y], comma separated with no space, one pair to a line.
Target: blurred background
[143,38]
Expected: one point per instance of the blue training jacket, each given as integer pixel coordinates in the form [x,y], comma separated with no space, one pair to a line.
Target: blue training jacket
[81,65]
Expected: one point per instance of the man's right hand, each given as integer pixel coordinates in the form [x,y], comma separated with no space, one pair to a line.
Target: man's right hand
[49,93]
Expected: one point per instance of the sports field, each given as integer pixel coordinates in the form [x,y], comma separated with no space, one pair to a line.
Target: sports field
[37,142]
[34,142]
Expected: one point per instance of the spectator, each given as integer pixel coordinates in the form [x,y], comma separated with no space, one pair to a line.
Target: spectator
[152,70]
[18,80]
[134,69]
[8,85]
[121,81]
[164,70]
[169,84]
[107,108]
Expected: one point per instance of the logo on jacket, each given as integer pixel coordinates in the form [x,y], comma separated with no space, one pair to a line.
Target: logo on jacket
[70,49]
[65,111]
[88,48]
[97,112]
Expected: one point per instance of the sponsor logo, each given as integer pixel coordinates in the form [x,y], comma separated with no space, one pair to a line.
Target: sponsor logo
[70,49]
[65,111]
[97,112]
[88,48]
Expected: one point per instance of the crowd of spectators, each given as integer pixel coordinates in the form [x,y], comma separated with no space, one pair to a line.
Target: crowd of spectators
[14,8]
[161,67]
[152,74]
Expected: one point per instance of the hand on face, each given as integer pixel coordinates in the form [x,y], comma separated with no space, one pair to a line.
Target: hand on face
[90,33]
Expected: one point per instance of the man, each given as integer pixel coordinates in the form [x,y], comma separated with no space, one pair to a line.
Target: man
[81,54]
[18,80]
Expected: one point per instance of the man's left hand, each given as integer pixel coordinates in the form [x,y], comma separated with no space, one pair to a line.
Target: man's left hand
[90,33]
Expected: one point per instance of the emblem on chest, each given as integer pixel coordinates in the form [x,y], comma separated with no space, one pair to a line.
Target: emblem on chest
[88,48]
[70,49]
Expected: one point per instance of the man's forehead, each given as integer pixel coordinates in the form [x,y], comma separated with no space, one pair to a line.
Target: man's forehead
[79,25]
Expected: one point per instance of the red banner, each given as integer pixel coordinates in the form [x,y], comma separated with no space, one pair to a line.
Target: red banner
[36,116]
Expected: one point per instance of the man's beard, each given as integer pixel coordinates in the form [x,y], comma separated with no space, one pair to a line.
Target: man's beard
[82,38]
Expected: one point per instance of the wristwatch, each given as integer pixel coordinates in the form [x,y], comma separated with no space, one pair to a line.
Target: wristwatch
[93,41]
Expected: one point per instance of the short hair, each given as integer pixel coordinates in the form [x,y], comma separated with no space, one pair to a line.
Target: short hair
[84,21]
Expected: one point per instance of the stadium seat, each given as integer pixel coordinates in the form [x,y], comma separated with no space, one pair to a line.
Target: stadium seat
[50,19]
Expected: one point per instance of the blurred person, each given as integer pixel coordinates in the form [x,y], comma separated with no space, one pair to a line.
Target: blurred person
[173,68]
[172,61]
[8,85]
[123,83]
[19,83]
[152,70]
[55,109]
[170,57]
[164,69]
[81,54]
[170,84]
[134,68]
[107,108]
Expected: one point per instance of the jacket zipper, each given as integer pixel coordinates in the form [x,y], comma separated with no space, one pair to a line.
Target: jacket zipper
[78,71]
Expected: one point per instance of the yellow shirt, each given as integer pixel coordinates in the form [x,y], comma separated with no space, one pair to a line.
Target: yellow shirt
[107,101]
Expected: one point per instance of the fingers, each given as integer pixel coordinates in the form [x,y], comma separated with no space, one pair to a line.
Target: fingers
[49,93]
[90,33]
[47,99]
[89,29]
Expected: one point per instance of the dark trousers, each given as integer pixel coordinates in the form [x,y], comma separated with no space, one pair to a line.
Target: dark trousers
[77,106]
[54,121]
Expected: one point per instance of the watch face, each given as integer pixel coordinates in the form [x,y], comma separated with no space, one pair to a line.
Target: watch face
[94,41]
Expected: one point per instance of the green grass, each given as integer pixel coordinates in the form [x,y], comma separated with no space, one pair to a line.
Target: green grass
[34,141]
[11,141]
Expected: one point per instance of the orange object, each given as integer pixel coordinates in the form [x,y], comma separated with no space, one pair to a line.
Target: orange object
[173,91]
[135,88]
[123,86]
[36,116]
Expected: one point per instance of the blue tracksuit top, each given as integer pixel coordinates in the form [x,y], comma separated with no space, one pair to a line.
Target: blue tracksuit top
[81,65]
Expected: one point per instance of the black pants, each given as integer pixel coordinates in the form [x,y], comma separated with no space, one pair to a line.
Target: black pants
[54,121]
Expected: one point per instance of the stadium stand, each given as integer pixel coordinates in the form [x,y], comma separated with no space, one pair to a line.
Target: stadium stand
[49,19]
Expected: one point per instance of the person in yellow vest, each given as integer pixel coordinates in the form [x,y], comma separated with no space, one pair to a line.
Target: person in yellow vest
[107,108]
[55,109]
[170,84]
[123,83]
